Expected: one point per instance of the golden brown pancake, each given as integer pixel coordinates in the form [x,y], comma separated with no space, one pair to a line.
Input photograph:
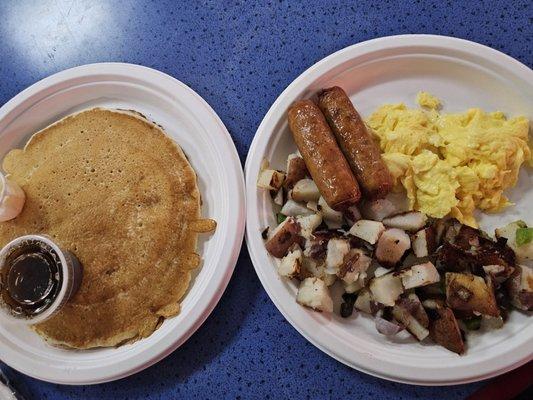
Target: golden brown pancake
[115,190]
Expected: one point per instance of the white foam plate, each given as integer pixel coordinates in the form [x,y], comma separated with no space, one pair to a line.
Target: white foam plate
[188,119]
[393,69]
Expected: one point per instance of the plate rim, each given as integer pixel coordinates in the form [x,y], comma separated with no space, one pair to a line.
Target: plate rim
[217,283]
[313,73]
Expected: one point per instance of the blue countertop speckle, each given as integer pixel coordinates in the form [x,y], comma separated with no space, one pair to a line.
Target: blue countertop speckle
[239,56]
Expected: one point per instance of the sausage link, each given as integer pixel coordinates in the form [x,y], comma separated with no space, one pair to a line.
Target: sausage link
[357,144]
[323,157]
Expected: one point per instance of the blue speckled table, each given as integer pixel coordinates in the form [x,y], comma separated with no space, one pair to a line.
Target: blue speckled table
[239,56]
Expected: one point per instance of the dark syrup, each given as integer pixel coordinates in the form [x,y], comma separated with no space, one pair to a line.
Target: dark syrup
[31,278]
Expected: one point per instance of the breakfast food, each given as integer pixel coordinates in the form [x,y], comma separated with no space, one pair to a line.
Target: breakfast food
[362,152]
[115,190]
[323,158]
[433,277]
[452,163]
[11,199]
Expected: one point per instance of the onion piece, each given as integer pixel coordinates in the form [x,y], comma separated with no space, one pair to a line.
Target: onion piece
[385,327]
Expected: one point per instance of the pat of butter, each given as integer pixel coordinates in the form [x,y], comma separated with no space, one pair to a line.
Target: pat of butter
[12,199]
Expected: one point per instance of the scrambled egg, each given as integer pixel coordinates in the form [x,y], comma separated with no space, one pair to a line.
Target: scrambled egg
[452,163]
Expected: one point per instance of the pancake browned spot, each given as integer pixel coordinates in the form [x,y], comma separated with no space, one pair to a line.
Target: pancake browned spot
[114,189]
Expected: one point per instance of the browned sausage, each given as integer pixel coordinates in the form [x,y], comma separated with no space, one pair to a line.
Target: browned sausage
[357,144]
[323,157]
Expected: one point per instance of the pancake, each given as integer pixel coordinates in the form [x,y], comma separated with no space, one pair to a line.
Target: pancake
[115,190]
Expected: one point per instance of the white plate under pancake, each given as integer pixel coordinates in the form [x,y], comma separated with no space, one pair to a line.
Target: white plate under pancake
[393,69]
[188,119]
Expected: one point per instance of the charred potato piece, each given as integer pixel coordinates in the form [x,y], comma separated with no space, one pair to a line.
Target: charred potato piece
[424,242]
[270,179]
[450,257]
[470,294]
[283,237]
[296,171]
[444,329]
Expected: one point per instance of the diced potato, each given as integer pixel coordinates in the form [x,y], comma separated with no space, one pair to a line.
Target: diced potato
[278,198]
[329,279]
[270,179]
[332,218]
[424,242]
[353,287]
[391,247]
[283,237]
[410,221]
[420,275]
[290,265]
[386,289]
[379,209]
[363,301]
[312,205]
[367,230]
[305,190]
[380,271]
[296,170]
[314,293]
[294,209]
[336,251]
[444,330]
[403,314]
[308,224]
[470,294]
[355,262]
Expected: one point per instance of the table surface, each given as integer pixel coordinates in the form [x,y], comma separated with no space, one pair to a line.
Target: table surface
[239,56]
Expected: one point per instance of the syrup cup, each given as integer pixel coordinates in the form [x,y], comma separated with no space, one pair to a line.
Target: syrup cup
[69,269]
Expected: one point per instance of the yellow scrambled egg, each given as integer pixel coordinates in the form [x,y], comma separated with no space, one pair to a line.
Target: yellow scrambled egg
[452,163]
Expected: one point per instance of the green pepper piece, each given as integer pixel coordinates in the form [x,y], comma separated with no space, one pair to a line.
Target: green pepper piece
[473,324]
[524,236]
[280,217]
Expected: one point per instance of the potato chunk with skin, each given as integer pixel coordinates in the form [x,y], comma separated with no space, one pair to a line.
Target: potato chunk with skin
[283,237]
[305,190]
[424,242]
[270,179]
[296,170]
[368,230]
[409,221]
[470,294]
[391,247]
[420,275]
[294,209]
[379,209]
[314,293]
[444,330]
